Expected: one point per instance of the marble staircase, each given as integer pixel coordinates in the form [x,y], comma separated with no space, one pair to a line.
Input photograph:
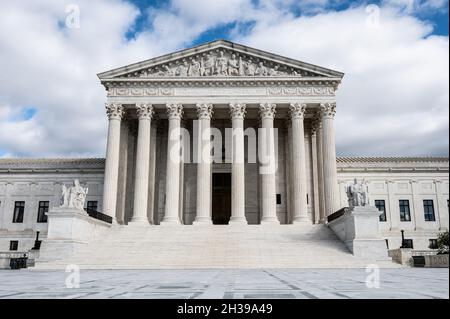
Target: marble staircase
[209,247]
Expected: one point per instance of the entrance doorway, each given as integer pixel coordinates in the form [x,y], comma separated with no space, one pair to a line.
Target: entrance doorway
[221,198]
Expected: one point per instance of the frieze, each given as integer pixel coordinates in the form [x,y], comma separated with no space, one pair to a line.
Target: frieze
[218,91]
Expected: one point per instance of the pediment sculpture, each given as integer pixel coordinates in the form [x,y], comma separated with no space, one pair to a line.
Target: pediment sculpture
[73,196]
[222,63]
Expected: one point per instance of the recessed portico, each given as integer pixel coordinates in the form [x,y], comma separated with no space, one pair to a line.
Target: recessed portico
[259,116]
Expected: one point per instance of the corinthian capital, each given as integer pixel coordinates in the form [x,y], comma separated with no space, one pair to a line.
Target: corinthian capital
[267,110]
[144,111]
[114,111]
[328,110]
[237,110]
[175,111]
[204,111]
[297,110]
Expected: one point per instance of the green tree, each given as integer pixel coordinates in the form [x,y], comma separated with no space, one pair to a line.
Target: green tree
[442,243]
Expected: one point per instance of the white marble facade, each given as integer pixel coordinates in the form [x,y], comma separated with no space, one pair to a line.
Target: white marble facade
[224,85]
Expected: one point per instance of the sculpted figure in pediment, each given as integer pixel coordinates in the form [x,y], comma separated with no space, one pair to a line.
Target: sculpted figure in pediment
[222,64]
[182,69]
[195,68]
[207,66]
[234,65]
[261,70]
[250,68]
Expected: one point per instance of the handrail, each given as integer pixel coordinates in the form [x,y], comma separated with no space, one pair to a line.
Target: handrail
[337,214]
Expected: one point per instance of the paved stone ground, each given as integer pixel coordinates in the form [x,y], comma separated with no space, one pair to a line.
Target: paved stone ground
[270,283]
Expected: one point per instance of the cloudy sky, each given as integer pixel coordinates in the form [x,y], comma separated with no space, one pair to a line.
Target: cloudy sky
[394,99]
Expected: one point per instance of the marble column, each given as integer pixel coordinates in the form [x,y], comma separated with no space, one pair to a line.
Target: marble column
[267,169]
[317,123]
[298,166]
[115,113]
[144,112]
[237,114]
[331,191]
[174,113]
[315,174]
[203,215]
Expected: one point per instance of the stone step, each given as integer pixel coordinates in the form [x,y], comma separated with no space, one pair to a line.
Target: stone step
[205,247]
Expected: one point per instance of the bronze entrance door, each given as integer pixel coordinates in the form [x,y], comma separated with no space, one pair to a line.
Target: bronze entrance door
[221,199]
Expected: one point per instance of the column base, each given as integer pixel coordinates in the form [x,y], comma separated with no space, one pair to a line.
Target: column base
[270,221]
[139,222]
[170,222]
[301,221]
[238,221]
[202,221]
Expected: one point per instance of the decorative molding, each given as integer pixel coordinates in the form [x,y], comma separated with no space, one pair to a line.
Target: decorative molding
[204,111]
[175,111]
[297,110]
[144,111]
[114,111]
[267,110]
[302,91]
[237,110]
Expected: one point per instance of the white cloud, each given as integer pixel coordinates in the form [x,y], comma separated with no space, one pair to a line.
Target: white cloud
[396,82]
[394,97]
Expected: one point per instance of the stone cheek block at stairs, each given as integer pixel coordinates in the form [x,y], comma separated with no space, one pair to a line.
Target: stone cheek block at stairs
[358,228]
[69,228]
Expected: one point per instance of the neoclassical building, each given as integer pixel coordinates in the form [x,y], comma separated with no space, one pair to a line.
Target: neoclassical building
[224,134]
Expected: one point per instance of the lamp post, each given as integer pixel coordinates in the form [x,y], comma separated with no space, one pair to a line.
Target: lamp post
[403,239]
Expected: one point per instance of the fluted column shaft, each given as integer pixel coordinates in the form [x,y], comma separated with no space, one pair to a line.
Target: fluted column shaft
[145,113]
[237,113]
[115,113]
[320,184]
[204,113]
[331,190]
[174,112]
[267,169]
[298,169]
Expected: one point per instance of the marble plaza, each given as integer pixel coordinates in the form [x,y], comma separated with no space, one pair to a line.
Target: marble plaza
[230,284]
[221,156]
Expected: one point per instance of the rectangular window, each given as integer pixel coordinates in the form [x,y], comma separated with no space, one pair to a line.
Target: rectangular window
[43,208]
[19,209]
[409,243]
[14,245]
[433,244]
[92,205]
[405,214]
[428,209]
[381,205]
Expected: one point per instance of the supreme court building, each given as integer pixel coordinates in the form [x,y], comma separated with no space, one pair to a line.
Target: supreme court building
[224,134]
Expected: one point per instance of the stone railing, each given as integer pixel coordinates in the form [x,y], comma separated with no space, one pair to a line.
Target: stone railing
[404,256]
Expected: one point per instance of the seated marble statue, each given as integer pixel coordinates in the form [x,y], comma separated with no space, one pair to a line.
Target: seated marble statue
[74,196]
[358,194]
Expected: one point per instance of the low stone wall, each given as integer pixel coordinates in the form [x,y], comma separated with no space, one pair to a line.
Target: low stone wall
[436,261]
[358,228]
[402,256]
[5,258]
[69,229]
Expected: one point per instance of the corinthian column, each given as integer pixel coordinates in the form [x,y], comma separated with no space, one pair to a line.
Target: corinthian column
[174,112]
[298,172]
[237,113]
[267,169]
[145,113]
[115,112]
[317,126]
[331,190]
[204,113]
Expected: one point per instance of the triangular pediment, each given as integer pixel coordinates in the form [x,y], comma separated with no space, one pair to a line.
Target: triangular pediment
[220,59]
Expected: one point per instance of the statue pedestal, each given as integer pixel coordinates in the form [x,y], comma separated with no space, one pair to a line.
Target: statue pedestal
[358,228]
[69,228]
